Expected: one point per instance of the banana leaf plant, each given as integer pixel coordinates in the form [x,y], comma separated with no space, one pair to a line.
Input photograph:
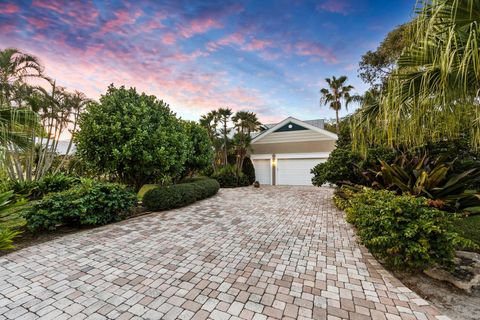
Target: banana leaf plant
[430,178]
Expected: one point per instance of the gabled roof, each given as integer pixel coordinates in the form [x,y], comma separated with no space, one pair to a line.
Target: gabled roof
[298,122]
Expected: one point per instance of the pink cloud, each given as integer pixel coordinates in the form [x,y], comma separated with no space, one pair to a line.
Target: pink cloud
[314,49]
[239,40]
[37,23]
[81,14]
[198,26]
[257,45]
[335,6]
[8,8]
[121,19]
[169,38]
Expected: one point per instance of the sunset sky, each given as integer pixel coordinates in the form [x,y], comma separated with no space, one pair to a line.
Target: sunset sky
[270,57]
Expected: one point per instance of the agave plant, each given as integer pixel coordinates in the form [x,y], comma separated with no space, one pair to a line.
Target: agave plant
[430,178]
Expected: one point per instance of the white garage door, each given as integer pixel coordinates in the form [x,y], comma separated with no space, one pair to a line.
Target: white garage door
[296,171]
[263,171]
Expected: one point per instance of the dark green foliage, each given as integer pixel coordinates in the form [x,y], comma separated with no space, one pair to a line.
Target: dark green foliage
[35,190]
[200,156]
[340,167]
[179,195]
[227,177]
[469,228]
[404,231]
[133,137]
[249,170]
[428,177]
[90,203]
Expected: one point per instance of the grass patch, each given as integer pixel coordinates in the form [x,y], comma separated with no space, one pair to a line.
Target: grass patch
[469,228]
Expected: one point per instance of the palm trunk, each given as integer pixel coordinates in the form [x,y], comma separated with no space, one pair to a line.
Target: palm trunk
[338,122]
[225,154]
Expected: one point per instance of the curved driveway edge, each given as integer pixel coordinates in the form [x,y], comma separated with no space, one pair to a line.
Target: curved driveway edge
[268,253]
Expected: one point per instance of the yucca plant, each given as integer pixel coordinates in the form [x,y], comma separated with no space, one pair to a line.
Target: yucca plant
[430,178]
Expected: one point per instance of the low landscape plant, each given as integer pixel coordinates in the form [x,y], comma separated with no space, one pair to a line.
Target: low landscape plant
[179,195]
[34,190]
[227,177]
[403,231]
[90,203]
[9,219]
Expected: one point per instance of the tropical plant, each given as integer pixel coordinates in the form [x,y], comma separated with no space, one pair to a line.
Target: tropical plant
[430,178]
[337,93]
[9,219]
[15,68]
[210,122]
[433,94]
[245,123]
[224,115]
[132,137]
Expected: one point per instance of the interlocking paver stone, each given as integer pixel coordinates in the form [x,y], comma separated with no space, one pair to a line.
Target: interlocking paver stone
[246,253]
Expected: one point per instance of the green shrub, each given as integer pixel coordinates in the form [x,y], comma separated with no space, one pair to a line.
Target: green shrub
[35,190]
[133,137]
[227,177]
[179,195]
[88,204]
[249,170]
[341,166]
[404,231]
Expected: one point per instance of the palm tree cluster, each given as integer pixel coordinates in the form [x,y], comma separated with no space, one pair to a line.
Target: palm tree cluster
[433,94]
[33,117]
[217,122]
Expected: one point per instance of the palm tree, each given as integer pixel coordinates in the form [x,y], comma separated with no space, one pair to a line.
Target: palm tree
[336,93]
[224,115]
[15,67]
[245,123]
[434,93]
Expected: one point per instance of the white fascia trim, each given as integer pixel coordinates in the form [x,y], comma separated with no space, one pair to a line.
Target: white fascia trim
[306,155]
[261,156]
[296,121]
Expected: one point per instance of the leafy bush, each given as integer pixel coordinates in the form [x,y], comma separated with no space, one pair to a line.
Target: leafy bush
[340,167]
[249,170]
[227,177]
[88,204]
[34,190]
[200,156]
[133,137]
[404,231]
[179,195]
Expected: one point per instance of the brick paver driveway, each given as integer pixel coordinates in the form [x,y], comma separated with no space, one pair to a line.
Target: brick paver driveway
[274,252]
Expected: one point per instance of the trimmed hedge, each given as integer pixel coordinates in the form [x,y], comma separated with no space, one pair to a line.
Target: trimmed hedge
[404,231]
[91,203]
[179,195]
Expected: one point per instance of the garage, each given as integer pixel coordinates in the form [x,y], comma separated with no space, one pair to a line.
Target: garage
[285,153]
[263,170]
[295,172]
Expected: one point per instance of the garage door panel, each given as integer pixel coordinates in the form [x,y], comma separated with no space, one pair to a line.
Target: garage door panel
[296,171]
[263,171]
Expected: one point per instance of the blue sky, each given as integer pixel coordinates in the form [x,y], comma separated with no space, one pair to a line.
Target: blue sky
[270,57]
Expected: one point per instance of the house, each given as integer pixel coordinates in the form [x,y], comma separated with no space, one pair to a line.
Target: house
[285,152]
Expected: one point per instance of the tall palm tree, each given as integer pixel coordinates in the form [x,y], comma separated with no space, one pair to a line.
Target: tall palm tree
[224,115]
[336,93]
[15,67]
